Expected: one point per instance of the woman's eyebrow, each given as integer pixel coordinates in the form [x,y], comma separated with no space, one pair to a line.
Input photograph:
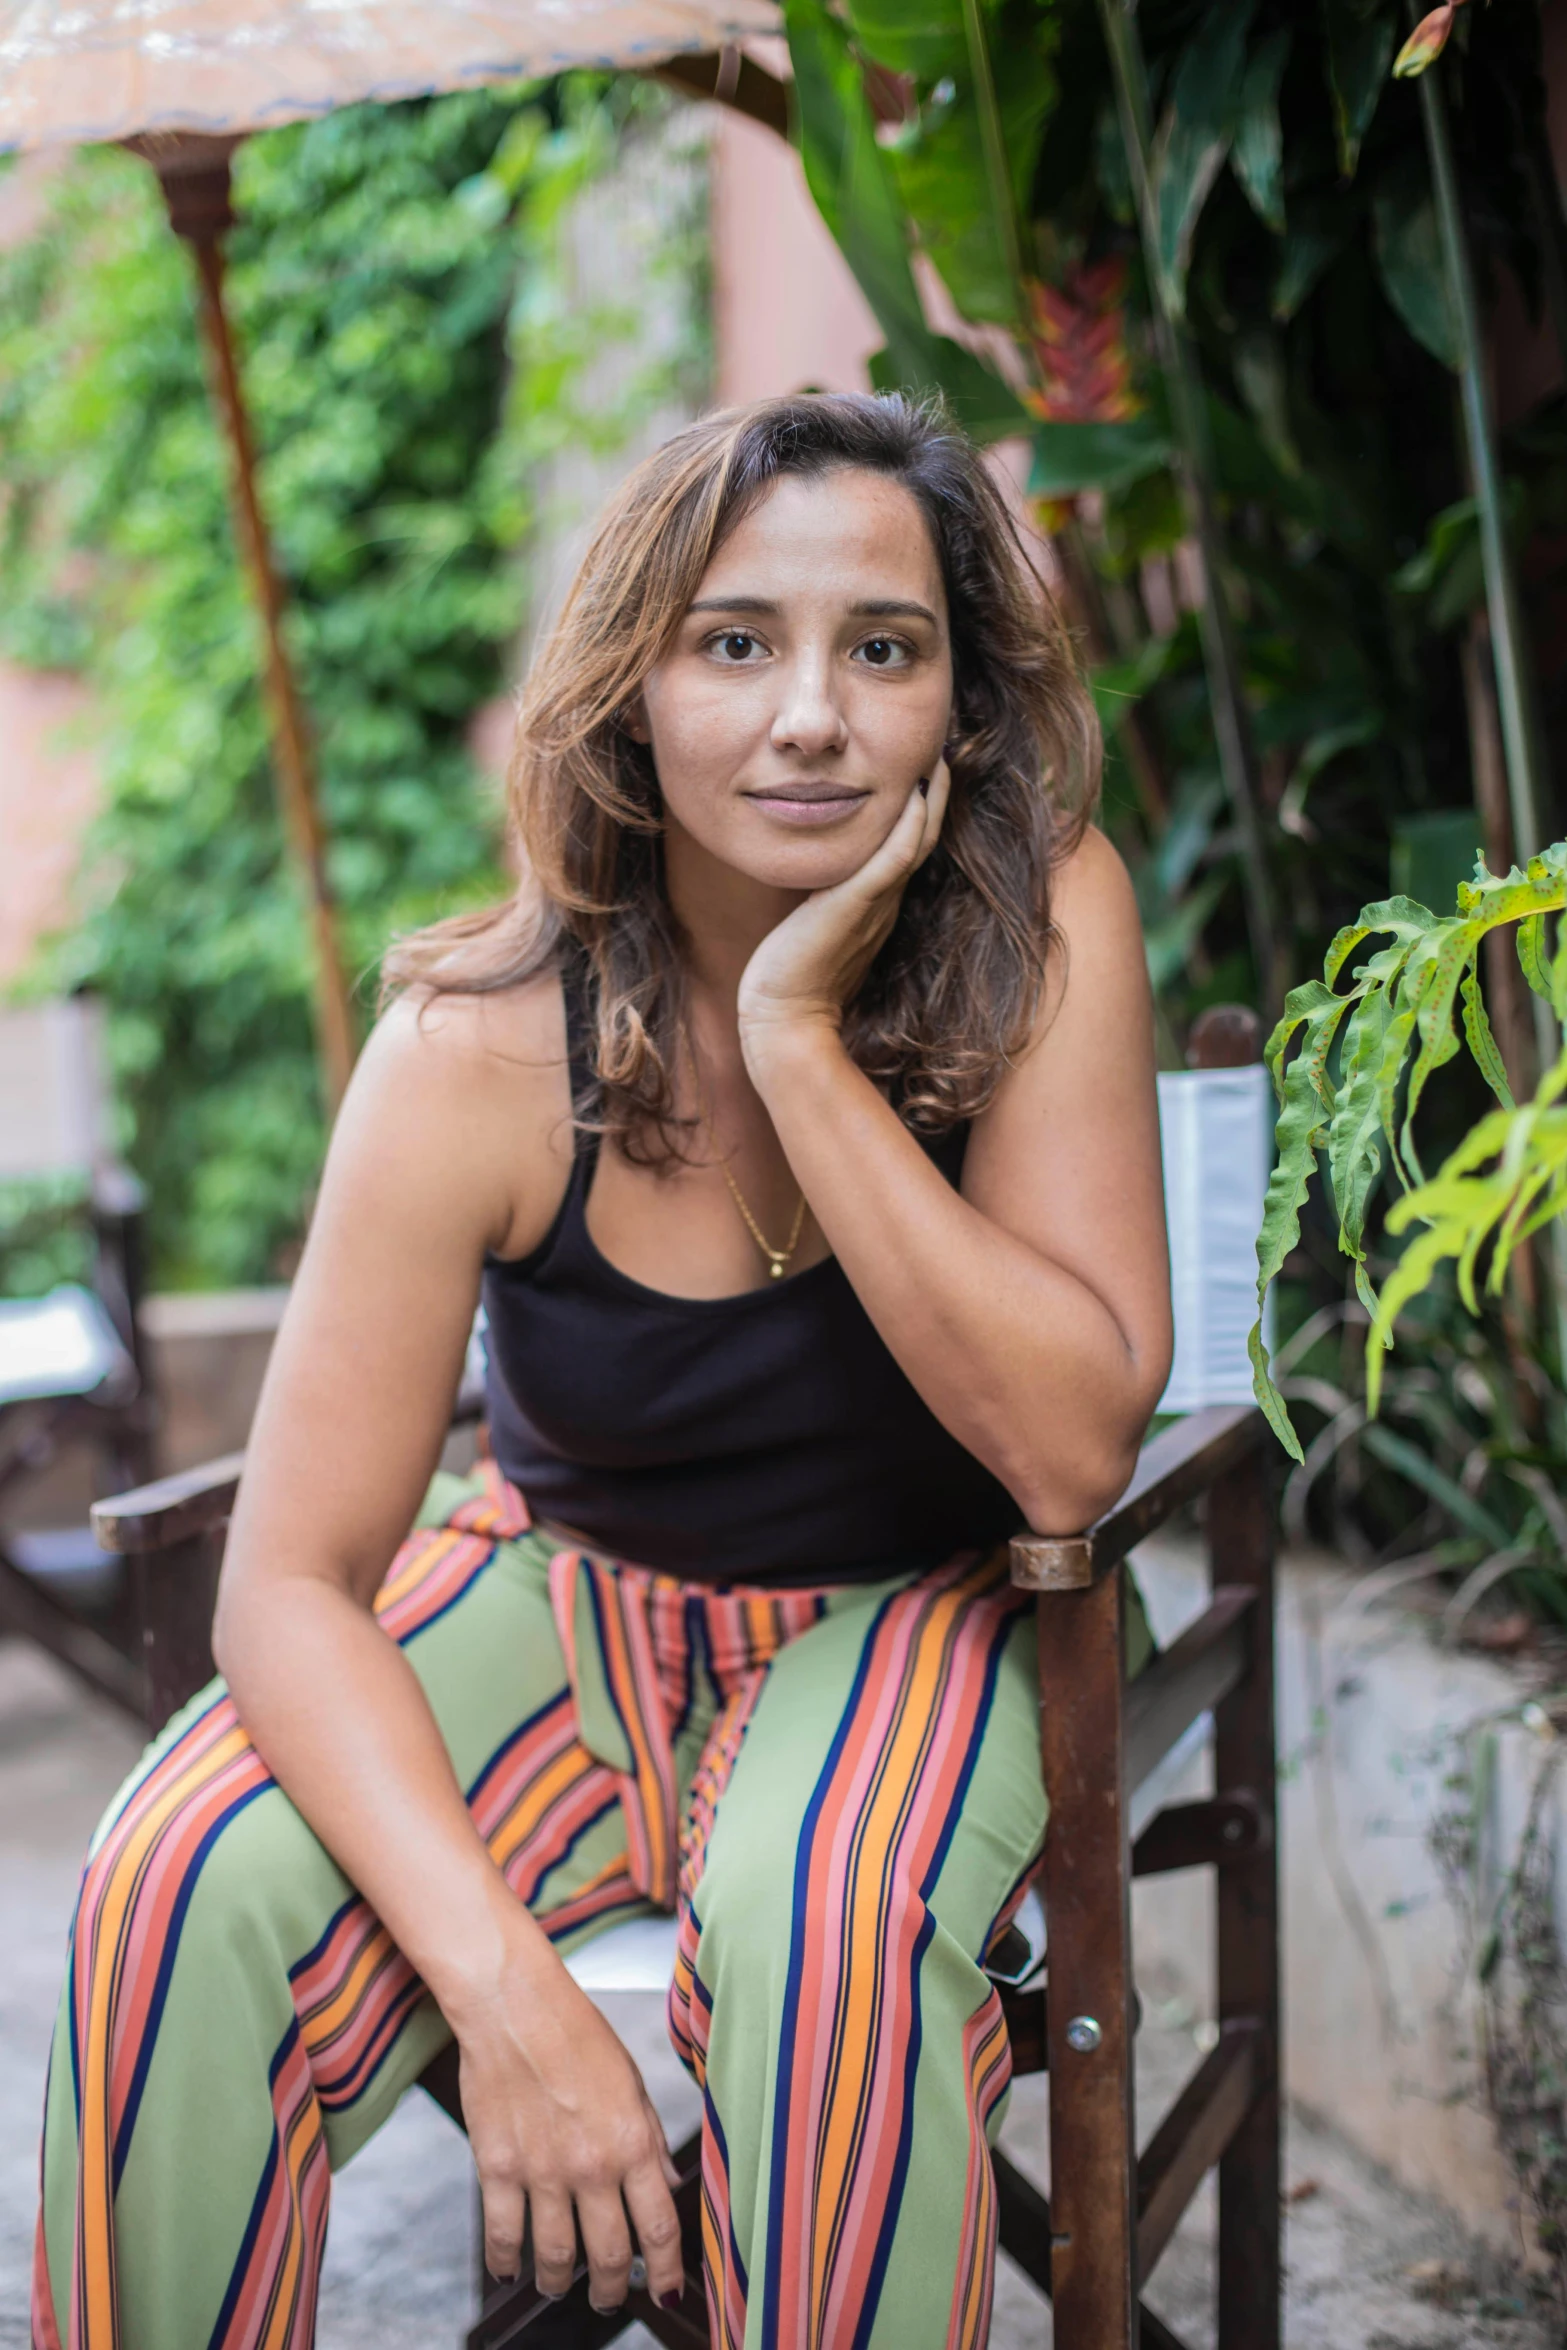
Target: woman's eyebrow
[893,608]
[871,608]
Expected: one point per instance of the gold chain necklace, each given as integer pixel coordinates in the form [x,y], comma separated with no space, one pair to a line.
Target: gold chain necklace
[777,1258]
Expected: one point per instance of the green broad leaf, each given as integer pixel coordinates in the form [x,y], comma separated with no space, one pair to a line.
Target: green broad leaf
[1198,800]
[1072,457]
[1306,1104]
[851,180]
[1360,50]
[1444,972]
[1274,1409]
[1248,468]
[1432,852]
[1116,683]
[1394,1047]
[1482,1042]
[1304,1006]
[939,162]
[1194,137]
[1317,233]
[1452,531]
[1546,973]
[1406,245]
[1168,944]
[846,170]
[1407,921]
[1396,1452]
[1558,995]
[1354,1156]
[1321,749]
[1257,149]
[925,40]
[979,400]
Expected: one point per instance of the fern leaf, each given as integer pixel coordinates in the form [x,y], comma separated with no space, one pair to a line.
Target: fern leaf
[1403,916]
[1482,1043]
[1354,1159]
[1531,955]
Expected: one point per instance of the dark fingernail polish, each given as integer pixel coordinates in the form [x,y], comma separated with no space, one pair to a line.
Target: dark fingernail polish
[671,2300]
[924,787]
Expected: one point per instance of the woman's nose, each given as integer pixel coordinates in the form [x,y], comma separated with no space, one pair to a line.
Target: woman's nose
[808,717]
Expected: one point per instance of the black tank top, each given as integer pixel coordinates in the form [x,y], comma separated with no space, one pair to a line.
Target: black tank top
[764,1437]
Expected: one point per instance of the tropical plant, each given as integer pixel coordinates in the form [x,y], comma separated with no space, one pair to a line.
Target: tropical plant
[1207,256]
[1479,1430]
[1234,272]
[1363,1056]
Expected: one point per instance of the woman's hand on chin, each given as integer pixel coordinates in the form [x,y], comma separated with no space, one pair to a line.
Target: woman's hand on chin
[557,2116]
[805,971]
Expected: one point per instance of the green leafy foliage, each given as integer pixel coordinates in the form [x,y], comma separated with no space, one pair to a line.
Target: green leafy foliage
[1361,1060]
[404,395]
[853,180]
[1292,188]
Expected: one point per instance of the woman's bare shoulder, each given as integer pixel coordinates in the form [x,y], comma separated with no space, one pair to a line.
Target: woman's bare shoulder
[469,1096]
[431,1039]
[1096,969]
[1091,888]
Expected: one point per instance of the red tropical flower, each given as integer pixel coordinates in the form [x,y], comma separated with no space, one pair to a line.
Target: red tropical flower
[1080,349]
[1426,43]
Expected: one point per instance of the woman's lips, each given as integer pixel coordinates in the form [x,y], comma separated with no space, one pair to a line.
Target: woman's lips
[807,807]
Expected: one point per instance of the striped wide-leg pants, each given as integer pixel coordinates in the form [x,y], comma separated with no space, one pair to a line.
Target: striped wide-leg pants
[840,1791]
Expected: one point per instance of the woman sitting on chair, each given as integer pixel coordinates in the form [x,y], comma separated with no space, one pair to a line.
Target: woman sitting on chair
[795,1123]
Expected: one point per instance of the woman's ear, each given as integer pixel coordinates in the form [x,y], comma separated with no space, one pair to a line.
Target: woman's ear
[633,717]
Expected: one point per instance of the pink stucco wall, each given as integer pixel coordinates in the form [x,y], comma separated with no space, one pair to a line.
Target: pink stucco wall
[787,312]
[48,791]
[48,775]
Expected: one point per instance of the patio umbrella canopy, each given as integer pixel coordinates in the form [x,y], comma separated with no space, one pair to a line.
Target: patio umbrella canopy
[103,70]
[183,81]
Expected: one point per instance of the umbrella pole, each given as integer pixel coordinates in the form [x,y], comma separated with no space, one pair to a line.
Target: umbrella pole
[196,189]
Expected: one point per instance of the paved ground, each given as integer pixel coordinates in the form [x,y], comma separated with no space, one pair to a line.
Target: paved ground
[1369,2268]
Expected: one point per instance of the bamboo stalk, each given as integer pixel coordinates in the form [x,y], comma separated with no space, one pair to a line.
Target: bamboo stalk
[1221,657]
[1504,980]
[1509,640]
[1510,651]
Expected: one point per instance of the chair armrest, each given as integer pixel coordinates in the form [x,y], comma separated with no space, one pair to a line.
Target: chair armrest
[151,1517]
[1182,1461]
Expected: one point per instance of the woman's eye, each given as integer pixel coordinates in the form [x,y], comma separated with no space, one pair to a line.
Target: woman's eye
[736,644]
[883,652]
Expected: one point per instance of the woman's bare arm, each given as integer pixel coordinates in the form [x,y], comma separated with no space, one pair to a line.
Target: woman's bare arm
[1031,1311]
[454,1138]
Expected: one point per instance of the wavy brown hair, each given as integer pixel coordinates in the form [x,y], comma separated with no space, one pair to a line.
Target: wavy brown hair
[954,992]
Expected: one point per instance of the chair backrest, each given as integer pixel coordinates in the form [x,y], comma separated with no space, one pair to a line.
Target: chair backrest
[1216,1135]
[54,1099]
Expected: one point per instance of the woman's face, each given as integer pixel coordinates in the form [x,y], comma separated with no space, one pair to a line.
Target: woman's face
[809,686]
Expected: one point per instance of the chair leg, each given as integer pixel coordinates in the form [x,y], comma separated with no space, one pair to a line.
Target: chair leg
[1093,2151]
[1240,1536]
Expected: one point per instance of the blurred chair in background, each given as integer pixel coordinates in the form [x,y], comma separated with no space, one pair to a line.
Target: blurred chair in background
[73,1370]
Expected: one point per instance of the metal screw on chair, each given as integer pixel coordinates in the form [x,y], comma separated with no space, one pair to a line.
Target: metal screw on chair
[1083,2035]
[1232,1831]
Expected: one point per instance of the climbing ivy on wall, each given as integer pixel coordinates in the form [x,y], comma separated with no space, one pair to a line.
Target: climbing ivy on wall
[403,395]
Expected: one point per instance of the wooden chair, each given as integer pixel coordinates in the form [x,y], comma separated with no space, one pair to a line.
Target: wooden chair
[72,1365]
[1094,2243]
